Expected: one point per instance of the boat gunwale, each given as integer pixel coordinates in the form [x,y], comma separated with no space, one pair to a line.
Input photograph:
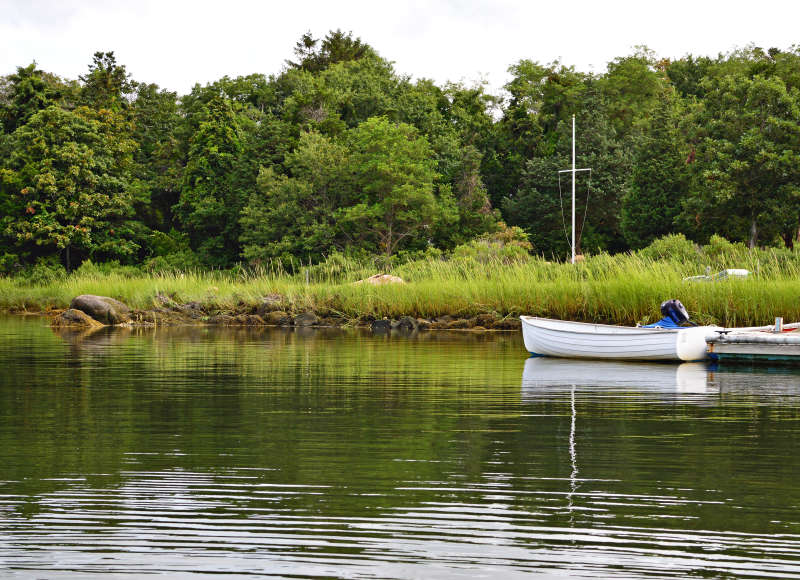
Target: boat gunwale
[583,327]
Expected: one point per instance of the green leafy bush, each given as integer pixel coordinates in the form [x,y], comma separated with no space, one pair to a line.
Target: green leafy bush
[182,261]
[9,263]
[674,247]
[721,253]
[337,268]
[89,269]
[508,245]
[45,271]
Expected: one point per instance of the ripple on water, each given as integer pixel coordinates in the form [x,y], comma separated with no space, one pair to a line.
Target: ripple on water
[179,522]
[279,454]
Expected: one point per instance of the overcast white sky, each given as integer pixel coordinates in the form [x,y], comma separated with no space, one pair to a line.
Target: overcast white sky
[176,43]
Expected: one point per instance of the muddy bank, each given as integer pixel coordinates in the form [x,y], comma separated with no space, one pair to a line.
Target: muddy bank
[90,310]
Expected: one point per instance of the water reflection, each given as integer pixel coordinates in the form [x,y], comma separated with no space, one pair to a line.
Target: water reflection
[335,453]
[544,376]
[647,441]
[545,373]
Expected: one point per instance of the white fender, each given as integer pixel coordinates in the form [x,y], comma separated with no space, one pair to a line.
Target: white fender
[691,343]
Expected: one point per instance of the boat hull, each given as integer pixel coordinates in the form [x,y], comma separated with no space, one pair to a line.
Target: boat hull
[560,338]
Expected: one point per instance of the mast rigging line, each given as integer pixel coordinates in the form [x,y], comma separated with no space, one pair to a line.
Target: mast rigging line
[585,207]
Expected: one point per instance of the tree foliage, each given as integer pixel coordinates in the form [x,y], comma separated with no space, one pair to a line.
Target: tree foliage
[748,133]
[339,153]
[314,55]
[67,183]
[210,200]
[29,91]
[394,175]
[107,85]
[293,217]
[659,179]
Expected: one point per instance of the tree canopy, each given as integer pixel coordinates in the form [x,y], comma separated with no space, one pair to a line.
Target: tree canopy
[339,153]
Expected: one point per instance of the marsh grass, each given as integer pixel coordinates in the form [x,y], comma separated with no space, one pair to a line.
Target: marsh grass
[621,289]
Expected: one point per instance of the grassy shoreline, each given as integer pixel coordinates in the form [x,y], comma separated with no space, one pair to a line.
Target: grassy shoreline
[625,289]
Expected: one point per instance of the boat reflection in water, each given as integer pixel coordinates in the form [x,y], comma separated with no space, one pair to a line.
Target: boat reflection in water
[543,375]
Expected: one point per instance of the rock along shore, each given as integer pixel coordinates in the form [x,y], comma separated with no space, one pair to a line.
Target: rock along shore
[90,310]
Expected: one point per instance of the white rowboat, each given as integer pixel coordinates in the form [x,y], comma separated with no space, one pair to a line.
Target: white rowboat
[561,338]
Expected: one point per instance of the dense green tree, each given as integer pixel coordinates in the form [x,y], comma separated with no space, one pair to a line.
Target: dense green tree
[158,159]
[339,152]
[691,75]
[450,118]
[747,172]
[314,55]
[631,88]
[210,201]
[686,74]
[28,92]
[470,110]
[475,213]
[67,182]
[785,64]
[280,221]
[341,96]
[360,89]
[659,179]
[394,176]
[541,97]
[294,217]
[254,100]
[107,85]
[267,144]
[249,95]
[255,91]
[551,93]
[427,107]
[347,93]
[539,207]
[374,192]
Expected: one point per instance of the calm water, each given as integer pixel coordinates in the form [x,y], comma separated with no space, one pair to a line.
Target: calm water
[225,453]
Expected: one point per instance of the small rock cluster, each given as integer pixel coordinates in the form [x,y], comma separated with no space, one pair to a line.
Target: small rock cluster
[89,310]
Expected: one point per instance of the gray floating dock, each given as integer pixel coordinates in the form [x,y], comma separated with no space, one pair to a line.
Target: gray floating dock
[755,346]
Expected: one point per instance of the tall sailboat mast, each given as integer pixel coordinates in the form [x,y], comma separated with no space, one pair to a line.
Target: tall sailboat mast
[573,189]
[573,171]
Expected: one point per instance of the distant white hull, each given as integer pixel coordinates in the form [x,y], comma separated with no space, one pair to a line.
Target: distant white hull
[561,338]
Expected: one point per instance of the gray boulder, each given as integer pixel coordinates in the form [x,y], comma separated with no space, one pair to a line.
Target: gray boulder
[406,324]
[306,319]
[278,318]
[381,326]
[102,308]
